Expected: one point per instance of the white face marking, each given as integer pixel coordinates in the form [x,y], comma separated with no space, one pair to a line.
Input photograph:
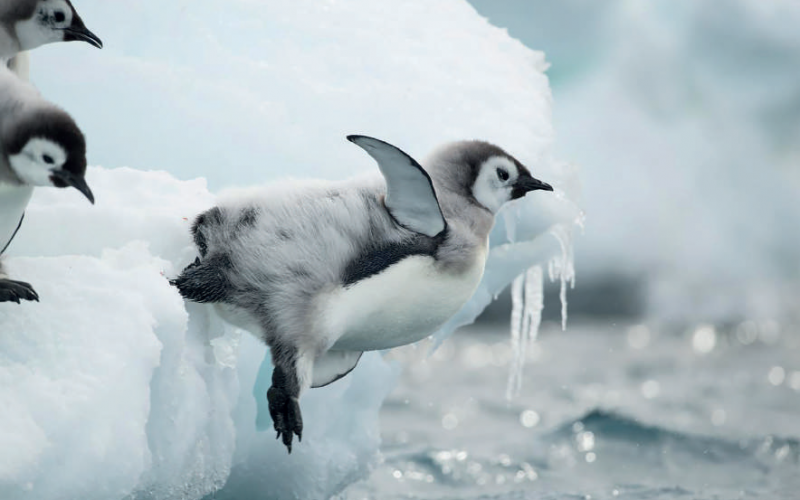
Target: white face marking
[34,165]
[495,182]
[46,25]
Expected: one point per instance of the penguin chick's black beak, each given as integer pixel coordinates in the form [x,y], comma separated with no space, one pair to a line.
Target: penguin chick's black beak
[525,184]
[75,181]
[77,31]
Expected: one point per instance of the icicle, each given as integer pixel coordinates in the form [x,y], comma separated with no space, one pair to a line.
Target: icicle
[534,301]
[527,294]
[517,309]
[563,266]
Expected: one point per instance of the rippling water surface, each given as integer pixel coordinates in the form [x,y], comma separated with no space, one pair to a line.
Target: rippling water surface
[621,411]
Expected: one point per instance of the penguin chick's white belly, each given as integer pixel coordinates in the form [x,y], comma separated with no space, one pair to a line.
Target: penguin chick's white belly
[401,305]
[13,201]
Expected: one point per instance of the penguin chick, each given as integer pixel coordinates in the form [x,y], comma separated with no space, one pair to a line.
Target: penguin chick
[325,273]
[40,145]
[27,24]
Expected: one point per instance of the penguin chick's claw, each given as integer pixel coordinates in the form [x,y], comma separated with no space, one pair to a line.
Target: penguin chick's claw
[286,417]
[13,291]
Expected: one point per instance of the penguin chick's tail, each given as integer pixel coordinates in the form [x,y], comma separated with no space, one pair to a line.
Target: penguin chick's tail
[205,280]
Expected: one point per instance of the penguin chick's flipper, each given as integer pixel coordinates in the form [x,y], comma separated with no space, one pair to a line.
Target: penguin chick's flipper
[283,396]
[410,197]
[8,243]
[14,291]
[205,280]
[333,365]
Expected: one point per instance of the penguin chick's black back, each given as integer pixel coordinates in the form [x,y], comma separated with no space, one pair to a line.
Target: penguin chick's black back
[230,239]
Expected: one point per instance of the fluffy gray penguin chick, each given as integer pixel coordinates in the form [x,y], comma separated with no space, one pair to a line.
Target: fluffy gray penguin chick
[326,272]
[40,145]
[27,24]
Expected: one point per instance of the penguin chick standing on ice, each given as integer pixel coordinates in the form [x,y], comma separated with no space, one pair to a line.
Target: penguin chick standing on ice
[27,24]
[325,273]
[40,145]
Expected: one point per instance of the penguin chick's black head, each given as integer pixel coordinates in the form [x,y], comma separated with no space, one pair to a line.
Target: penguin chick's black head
[77,30]
[39,22]
[484,173]
[57,127]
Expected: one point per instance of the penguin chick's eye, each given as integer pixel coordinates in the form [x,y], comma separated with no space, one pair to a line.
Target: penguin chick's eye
[48,159]
[502,174]
[59,16]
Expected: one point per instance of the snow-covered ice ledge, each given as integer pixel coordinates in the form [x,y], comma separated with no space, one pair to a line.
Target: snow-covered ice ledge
[112,387]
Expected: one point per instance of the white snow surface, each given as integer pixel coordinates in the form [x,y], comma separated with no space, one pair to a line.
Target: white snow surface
[112,386]
[240,91]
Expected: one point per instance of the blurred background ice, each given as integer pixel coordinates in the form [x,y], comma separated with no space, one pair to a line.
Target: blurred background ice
[684,117]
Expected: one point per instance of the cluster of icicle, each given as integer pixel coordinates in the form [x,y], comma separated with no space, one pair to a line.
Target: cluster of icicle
[527,296]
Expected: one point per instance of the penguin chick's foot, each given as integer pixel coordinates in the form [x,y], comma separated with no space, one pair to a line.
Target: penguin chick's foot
[14,291]
[286,417]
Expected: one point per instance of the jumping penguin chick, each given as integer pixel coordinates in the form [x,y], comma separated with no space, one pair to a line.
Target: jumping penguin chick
[40,145]
[27,24]
[328,272]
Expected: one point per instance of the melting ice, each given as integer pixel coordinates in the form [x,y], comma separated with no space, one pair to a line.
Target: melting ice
[527,296]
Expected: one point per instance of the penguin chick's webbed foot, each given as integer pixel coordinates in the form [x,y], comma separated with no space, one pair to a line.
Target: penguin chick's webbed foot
[284,408]
[14,291]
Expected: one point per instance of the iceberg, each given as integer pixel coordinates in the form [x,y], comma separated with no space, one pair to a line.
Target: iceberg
[112,386]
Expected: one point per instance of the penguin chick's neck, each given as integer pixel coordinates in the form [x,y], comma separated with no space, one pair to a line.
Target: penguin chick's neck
[9,46]
[458,209]
[458,206]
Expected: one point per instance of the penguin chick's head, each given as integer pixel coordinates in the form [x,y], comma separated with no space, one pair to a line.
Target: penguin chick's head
[483,172]
[48,149]
[38,22]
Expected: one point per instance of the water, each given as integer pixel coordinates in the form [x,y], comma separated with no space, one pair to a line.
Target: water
[618,411]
